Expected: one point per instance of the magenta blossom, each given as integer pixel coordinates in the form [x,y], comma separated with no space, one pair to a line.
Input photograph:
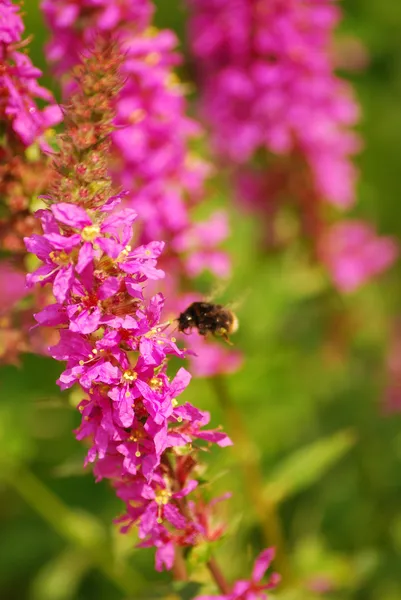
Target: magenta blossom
[18,82]
[131,412]
[12,282]
[354,253]
[152,156]
[252,589]
[67,46]
[268,83]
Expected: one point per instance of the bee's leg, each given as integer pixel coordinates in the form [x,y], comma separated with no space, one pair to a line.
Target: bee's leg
[222,332]
[164,326]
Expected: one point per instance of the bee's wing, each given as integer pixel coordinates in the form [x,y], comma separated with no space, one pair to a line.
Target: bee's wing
[236,304]
[217,290]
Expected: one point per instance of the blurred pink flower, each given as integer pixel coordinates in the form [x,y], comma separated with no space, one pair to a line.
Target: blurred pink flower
[200,243]
[354,253]
[18,82]
[268,82]
[22,177]
[211,358]
[12,284]
[151,156]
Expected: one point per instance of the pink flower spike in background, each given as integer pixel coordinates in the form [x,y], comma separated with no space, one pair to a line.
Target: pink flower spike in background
[282,123]
[18,82]
[12,284]
[267,83]
[354,254]
[24,174]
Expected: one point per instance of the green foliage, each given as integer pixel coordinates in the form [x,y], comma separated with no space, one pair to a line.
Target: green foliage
[306,466]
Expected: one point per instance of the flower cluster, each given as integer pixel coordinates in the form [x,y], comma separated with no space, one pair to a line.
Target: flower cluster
[22,123]
[268,82]
[268,86]
[151,150]
[115,349]
[18,82]
[152,136]
[111,336]
[24,169]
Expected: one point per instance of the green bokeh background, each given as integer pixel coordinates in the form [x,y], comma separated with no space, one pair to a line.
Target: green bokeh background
[310,396]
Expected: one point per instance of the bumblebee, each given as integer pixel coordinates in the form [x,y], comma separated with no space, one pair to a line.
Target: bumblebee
[208,318]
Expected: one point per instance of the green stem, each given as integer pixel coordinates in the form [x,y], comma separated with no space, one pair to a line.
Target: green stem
[66,523]
[218,576]
[247,456]
[179,567]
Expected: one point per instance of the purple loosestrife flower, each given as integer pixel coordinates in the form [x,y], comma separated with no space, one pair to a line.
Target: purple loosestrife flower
[354,254]
[110,332]
[252,589]
[268,85]
[151,142]
[18,82]
[24,172]
[12,283]
[76,25]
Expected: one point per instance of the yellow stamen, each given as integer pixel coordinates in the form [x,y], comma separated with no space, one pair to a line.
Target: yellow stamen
[152,58]
[90,232]
[130,375]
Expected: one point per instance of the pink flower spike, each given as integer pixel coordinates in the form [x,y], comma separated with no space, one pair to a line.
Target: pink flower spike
[108,314]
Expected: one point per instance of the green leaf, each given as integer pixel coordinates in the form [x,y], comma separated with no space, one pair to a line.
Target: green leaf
[35,379]
[306,466]
[60,578]
[186,590]
[21,387]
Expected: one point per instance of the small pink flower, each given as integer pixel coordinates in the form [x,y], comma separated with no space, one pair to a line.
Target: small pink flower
[110,332]
[12,284]
[18,82]
[354,253]
[252,589]
[211,358]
